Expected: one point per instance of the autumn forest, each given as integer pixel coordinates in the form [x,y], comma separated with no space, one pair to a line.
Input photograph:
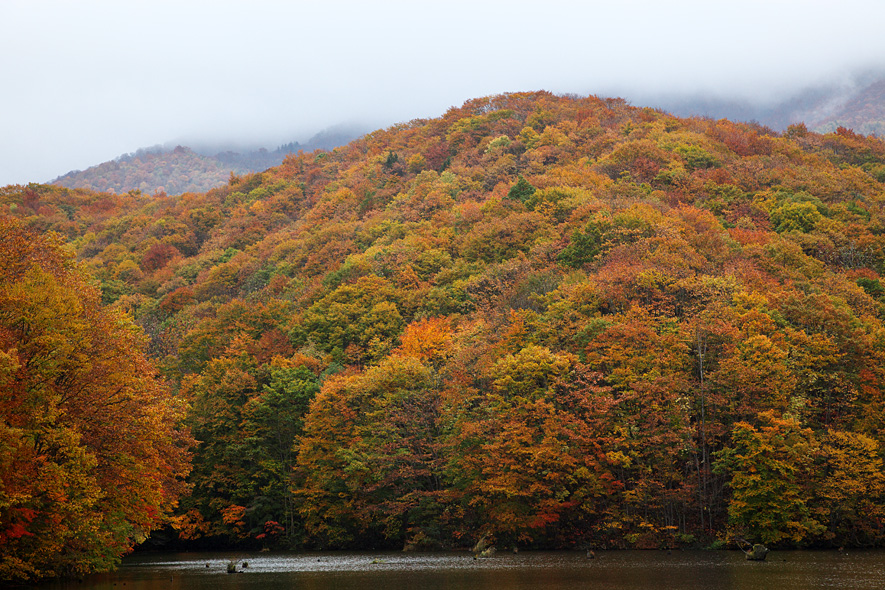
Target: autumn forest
[550,321]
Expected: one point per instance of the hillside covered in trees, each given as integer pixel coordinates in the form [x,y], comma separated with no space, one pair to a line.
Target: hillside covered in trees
[862,111]
[854,103]
[181,169]
[171,171]
[551,321]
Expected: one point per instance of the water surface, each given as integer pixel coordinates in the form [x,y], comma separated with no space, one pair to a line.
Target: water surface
[610,570]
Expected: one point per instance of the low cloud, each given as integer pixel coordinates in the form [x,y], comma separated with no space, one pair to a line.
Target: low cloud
[91,80]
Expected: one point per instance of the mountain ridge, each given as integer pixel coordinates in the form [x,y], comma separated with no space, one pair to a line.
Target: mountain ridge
[859,106]
[180,169]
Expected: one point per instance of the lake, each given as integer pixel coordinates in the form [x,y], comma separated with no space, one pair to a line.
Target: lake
[610,570]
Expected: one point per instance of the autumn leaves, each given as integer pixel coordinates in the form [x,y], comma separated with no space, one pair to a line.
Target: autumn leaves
[552,321]
[90,457]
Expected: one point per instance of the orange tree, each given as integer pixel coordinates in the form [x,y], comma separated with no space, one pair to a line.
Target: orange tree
[90,456]
[527,464]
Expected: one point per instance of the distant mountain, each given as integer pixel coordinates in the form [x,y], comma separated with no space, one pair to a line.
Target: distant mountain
[177,171]
[862,111]
[183,169]
[242,160]
[859,105]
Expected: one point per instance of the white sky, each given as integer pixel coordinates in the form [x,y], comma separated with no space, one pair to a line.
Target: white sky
[84,81]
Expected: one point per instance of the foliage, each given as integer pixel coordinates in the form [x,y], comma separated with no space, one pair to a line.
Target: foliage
[769,467]
[91,458]
[554,321]
[521,191]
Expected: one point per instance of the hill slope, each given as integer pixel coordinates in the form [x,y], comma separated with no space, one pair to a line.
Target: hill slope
[862,112]
[550,321]
[173,172]
[181,170]
[859,107]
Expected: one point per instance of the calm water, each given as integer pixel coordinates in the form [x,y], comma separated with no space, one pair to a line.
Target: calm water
[614,570]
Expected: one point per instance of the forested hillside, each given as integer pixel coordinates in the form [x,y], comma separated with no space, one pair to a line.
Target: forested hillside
[856,104]
[551,321]
[175,171]
[864,112]
[182,169]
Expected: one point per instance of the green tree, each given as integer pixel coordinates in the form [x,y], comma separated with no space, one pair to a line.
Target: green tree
[792,216]
[521,191]
[272,422]
[356,321]
[771,470]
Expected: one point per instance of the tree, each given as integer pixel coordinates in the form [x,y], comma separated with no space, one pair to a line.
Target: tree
[693,273]
[527,463]
[358,321]
[272,421]
[224,466]
[521,191]
[793,216]
[771,480]
[849,497]
[91,454]
[369,459]
[645,360]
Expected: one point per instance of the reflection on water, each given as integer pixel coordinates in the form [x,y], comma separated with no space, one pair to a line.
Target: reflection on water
[614,570]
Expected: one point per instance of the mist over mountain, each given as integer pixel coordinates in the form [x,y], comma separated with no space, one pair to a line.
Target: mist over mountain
[237,73]
[856,102]
[175,169]
[863,112]
[151,170]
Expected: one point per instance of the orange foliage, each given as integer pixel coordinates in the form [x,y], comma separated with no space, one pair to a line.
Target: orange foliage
[426,339]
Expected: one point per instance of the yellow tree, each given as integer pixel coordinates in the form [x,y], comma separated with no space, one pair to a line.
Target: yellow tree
[772,475]
[849,497]
[90,455]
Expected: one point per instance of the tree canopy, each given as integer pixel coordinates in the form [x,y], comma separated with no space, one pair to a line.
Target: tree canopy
[90,457]
[552,321]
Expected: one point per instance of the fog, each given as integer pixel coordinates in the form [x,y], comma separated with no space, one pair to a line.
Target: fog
[86,81]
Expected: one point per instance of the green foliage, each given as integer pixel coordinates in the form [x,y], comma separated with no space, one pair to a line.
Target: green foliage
[770,468]
[795,217]
[391,159]
[521,191]
[696,158]
[585,245]
[872,286]
[355,321]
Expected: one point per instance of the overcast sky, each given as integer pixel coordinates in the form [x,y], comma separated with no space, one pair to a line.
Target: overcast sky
[85,81]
